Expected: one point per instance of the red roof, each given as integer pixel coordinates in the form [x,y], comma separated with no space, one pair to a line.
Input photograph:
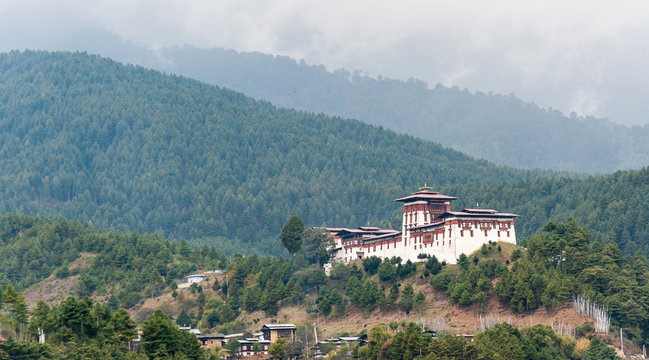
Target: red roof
[426,196]
[428,225]
[477,214]
[480,210]
[382,236]
[369,228]
[366,231]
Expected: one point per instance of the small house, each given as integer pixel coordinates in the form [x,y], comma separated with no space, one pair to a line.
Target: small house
[211,341]
[252,346]
[272,332]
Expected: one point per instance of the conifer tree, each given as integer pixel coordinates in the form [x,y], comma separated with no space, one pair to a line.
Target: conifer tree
[292,234]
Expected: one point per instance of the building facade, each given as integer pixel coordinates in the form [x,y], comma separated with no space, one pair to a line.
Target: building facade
[272,332]
[429,227]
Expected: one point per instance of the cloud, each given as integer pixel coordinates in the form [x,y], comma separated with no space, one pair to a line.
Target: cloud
[575,55]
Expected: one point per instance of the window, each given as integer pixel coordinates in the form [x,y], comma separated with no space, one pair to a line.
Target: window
[471,233]
[507,233]
[485,233]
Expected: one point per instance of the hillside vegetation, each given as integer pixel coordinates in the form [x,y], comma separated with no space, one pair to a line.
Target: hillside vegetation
[124,268]
[133,149]
[500,128]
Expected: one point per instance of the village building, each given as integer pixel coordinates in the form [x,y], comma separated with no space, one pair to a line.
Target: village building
[429,227]
[253,347]
[322,347]
[272,332]
[211,341]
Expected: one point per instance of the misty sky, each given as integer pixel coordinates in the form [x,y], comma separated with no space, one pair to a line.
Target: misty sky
[590,57]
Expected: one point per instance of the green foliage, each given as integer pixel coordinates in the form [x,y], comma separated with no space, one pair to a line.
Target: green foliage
[463,261]
[502,342]
[541,342]
[291,235]
[365,294]
[142,264]
[12,349]
[597,350]
[561,263]
[17,304]
[433,265]
[501,128]
[134,149]
[184,319]
[316,245]
[407,298]
[331,299]
[371,264]
[72,121]
[279,349]
[472,285]
[441,281]
[387,271]
[161,338]
[123,326]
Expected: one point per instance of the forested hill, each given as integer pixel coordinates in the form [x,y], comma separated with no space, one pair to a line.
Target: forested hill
[615,207]
[134,149]
[502,129]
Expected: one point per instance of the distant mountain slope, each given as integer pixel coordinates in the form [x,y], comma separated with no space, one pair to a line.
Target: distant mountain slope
[133,149]
[502,129]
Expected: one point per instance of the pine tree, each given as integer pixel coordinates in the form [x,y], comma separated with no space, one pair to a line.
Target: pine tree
[123,326]
[291,235]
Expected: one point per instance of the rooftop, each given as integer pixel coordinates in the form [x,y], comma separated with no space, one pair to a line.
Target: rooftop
[278,326]
[475,214]
[211,336]
[426,193]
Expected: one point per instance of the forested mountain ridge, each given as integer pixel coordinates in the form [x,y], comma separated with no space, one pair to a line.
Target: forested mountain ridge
[134,149]
[615,207]
[500,128]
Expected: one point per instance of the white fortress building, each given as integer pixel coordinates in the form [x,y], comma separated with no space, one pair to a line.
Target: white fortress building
[429,228]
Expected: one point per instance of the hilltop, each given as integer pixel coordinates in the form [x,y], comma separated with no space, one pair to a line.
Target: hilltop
[501,128]
[134,149]
[131,149]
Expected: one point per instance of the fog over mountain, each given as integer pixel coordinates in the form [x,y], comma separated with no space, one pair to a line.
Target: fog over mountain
[575,56]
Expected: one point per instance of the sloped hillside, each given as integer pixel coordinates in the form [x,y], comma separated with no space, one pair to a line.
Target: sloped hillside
[133,149]
[501,128]
[130,149]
